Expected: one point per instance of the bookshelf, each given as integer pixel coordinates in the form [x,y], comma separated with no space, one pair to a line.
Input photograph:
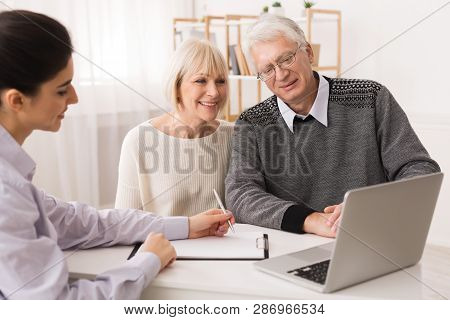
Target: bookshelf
[330,15]
[237,22]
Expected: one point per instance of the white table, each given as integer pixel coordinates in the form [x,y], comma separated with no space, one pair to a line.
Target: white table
[430,279]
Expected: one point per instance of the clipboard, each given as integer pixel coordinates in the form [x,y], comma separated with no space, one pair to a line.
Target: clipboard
[242,246]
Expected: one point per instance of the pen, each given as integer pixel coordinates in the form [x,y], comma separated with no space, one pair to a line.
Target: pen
[223,208]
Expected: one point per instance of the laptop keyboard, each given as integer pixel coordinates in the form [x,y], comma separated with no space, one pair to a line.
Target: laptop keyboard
[316,272]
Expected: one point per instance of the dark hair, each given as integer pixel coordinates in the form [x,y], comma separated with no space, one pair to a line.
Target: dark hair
[33,49]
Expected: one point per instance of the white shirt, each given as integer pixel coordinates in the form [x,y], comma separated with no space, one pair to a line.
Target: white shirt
[319,108]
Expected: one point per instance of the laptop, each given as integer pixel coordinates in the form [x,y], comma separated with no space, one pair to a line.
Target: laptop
[383,229]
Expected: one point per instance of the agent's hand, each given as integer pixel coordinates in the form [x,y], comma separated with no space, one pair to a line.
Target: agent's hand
[335,219]
[317,223]
[209,223]
[159,245]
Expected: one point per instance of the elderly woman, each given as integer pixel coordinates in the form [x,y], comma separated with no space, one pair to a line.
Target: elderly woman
[173,162]
[35,92]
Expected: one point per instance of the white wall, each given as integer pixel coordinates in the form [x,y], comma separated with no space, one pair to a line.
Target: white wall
[415,66]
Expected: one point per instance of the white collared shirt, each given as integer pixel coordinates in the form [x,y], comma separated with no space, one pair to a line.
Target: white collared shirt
[319,108]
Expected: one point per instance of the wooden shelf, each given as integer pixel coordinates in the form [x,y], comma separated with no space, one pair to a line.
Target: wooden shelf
[336,16]
[199,24]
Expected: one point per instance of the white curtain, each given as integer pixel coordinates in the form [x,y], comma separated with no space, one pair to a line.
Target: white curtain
[122,49]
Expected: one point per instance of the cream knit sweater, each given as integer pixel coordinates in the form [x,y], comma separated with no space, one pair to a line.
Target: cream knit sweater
[172,176]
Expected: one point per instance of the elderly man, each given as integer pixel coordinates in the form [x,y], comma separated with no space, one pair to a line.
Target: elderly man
[297,153]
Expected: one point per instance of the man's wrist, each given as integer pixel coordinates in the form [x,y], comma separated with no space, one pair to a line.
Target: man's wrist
[308,225]
[294,218]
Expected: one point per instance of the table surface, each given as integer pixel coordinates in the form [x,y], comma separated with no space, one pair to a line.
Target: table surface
[430,279]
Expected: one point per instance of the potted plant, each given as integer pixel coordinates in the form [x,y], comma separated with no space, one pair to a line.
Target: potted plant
[307,5]
[265,9]
[276,8]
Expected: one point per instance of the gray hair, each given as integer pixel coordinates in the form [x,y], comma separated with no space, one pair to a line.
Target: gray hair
[270,27]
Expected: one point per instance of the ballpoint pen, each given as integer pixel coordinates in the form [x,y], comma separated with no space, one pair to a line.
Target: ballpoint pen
[223,208]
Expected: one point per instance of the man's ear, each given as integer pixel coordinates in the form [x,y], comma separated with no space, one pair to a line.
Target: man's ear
[310,53]
[14,100]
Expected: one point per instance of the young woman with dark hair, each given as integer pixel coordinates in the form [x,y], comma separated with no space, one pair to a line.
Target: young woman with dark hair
[35,92]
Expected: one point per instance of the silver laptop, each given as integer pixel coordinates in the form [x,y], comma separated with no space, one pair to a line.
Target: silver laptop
[383,229]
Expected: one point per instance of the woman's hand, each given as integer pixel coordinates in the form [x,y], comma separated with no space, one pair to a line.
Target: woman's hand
[159,245]
[209,223]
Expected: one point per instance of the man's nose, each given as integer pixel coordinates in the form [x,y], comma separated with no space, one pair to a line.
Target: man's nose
[280,73]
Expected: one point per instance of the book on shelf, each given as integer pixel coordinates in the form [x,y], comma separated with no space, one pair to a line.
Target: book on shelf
[233,60]
[243,66]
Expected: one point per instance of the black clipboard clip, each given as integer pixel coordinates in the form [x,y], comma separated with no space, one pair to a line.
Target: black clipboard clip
[263,243]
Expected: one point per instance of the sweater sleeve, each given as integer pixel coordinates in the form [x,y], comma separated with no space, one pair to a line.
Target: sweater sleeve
[402,153]
[245,188]
[128,191]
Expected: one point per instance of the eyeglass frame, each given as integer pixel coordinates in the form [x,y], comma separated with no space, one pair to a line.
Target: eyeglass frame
[272,69]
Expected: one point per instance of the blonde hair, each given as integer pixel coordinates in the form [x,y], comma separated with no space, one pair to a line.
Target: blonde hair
[194,56]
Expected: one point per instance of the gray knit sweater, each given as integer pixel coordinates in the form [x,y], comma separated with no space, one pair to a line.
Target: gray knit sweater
[276,177]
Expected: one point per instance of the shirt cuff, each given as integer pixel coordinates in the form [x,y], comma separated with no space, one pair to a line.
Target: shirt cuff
[176,228]
[294,218]
[148,262]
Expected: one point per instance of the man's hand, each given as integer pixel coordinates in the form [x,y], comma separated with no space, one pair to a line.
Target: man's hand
[159,245]
[324,224]
[316,223]
[335,219]
[209,223]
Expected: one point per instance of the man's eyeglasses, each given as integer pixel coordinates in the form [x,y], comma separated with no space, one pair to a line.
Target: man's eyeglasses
[284,63]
